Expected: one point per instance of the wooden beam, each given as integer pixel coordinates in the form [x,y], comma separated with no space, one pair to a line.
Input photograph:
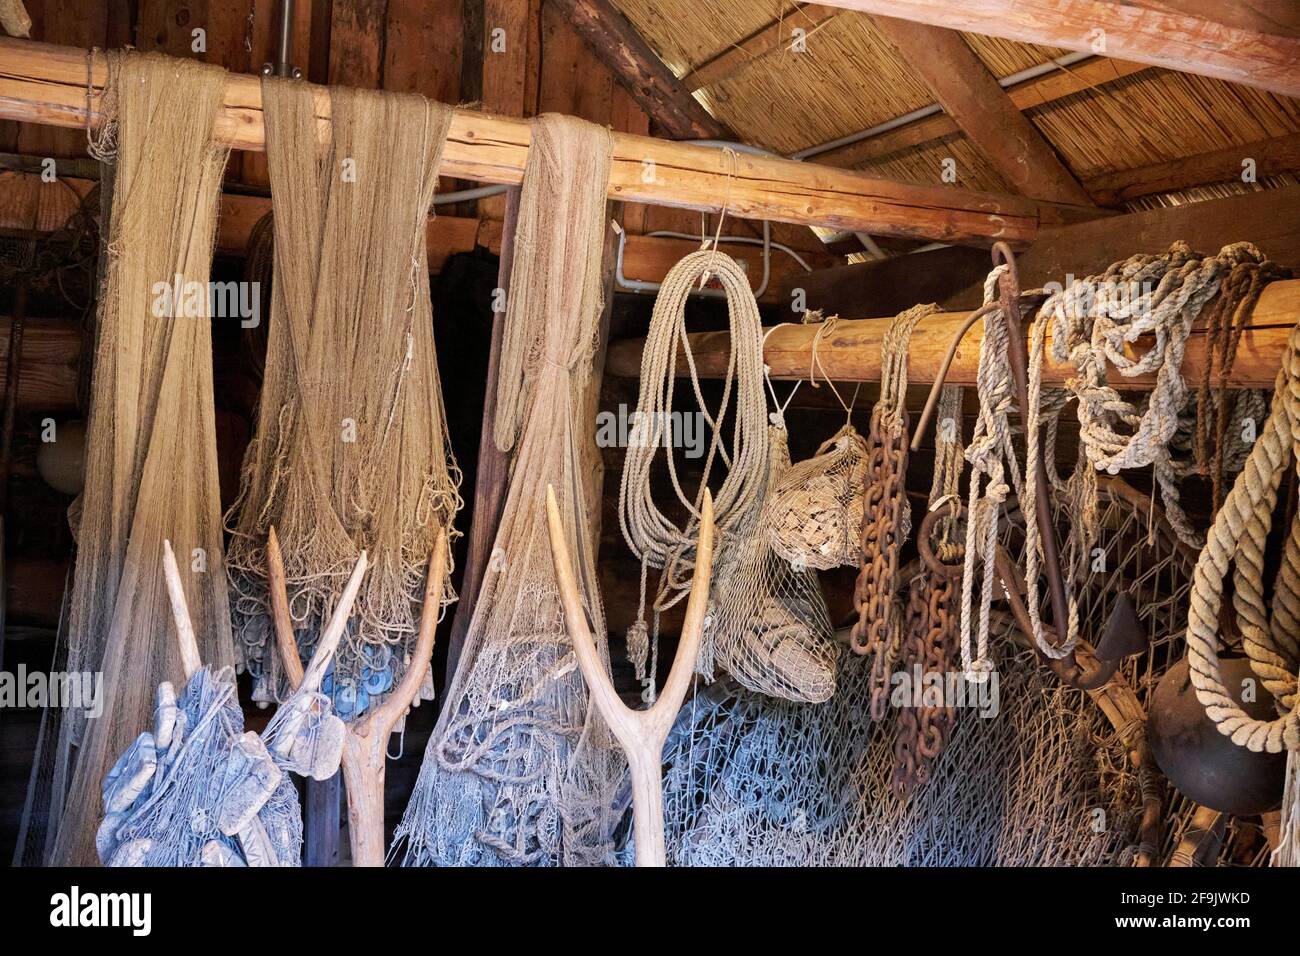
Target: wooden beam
[955,279]
[30,205]
[851,352]
[970,94]
[1189,36]
[654,87]
[1271,157]
[773,38]
[47,84]
[1024,96]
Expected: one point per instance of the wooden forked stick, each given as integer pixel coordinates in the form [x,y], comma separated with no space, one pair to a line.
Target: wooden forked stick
[365,748]
[190,659]
[641,733]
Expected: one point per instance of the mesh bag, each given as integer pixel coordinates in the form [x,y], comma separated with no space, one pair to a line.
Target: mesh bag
[768,626]
[814,513]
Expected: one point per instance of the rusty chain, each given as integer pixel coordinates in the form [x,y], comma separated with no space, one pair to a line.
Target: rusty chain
[885,516]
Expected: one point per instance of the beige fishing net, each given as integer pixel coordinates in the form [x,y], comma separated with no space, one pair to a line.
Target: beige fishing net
[351,450]
[151,470]
[767,624]
[519,770]
[1037,775]
[813,513]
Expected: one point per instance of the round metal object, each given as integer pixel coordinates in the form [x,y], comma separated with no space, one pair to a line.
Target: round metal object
[1202,763]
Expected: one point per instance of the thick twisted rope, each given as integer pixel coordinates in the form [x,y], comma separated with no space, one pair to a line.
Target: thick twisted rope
[655,539]
[990,452]
[1095,320]
[1238,537]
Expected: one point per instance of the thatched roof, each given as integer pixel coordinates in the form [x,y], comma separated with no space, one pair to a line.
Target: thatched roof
[850,78]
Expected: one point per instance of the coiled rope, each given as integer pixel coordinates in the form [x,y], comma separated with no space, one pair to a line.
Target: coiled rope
[655,539]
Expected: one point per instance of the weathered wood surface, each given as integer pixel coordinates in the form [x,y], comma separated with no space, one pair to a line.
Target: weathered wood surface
[656,90]
[954,278]
[851,351]
[972,97]
[41,83]
[1269,157]
[1253,44]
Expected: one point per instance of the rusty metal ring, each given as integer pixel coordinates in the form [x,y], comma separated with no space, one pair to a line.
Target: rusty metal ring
[951,507]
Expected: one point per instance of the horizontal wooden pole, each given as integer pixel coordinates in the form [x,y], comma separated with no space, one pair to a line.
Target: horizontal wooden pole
[851,351]
[28,204]
[1230,41]
[43,83]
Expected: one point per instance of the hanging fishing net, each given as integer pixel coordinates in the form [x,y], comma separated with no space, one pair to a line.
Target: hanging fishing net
[519,769]
[151,447]
[195,790]
[1045,780]
[767,624]
[351,451]
[814,511]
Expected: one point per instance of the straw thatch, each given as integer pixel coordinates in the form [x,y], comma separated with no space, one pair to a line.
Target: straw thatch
[850,78]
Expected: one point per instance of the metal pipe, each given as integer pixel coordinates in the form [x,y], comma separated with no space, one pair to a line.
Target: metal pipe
[282,67]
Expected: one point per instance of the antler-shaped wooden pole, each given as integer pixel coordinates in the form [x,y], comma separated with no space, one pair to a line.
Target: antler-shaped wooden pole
[365,748]
[640,732]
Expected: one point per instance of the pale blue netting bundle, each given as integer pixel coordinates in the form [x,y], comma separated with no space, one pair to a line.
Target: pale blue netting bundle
[198,791]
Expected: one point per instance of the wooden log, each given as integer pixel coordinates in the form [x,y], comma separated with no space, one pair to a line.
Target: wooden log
[1024,96]
[1269,157]
[851,351]
[654,87]
[47,381]
[47,84]
[1192,36]
[1270,219]
[971,95]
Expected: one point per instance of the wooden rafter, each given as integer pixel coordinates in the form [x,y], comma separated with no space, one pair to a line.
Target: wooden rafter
[773,38]
[1192,36]
[1024,96]
[638,68]
[42,83]
[1271,157]
[970,94]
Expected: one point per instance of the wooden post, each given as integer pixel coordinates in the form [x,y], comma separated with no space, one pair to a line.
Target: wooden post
[493,469]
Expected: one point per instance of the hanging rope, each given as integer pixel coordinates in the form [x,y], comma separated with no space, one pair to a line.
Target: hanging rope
[653,537]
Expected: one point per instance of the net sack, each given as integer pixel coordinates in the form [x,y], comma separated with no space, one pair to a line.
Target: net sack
[814,512]
[768,626]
